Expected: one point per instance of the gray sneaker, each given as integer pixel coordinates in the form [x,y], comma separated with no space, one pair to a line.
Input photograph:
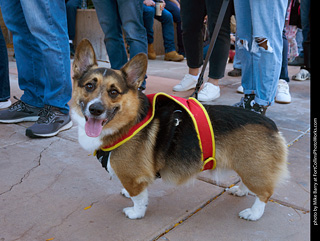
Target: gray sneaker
[18,112]
[51,121]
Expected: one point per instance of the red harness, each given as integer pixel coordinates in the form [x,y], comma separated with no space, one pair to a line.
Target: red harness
[200,120]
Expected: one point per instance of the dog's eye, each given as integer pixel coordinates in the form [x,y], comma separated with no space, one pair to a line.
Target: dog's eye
[89,87]
[113,93]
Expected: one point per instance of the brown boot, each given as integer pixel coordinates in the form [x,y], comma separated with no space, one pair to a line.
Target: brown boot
[151,52]
[173,56]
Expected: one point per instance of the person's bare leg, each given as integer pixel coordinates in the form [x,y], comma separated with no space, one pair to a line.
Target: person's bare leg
[194,71]
[214,81]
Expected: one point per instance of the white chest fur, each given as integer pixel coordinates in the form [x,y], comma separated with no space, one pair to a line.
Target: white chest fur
[89,143]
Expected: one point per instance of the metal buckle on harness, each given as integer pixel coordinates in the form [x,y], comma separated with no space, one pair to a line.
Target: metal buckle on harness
[176,115]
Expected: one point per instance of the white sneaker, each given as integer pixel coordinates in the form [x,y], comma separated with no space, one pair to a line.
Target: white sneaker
[302,75]
[283,95]
[188,82]
[5,104]
[240,89]
[209,92]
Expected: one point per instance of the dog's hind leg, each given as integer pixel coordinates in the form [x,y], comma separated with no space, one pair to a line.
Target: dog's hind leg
[257,209]
[140,204]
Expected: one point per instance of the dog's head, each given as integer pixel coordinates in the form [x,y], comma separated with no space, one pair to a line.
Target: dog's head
[105,98]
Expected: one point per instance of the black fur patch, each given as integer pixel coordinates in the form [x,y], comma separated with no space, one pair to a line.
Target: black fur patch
[228,118]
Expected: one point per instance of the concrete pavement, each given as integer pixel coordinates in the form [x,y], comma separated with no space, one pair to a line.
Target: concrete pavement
[51,189]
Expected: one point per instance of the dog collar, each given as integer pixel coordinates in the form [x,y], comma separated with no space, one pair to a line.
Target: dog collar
[200,119]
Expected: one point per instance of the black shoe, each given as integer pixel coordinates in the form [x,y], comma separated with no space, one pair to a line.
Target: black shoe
[51,121]
[235,72]
[18,112]
[259,109]
[298,61]
[246,102]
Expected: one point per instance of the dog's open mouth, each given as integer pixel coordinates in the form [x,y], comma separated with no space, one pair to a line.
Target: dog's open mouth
[94,125]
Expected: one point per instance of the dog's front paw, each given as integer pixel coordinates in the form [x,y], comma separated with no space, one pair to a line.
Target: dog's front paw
[140,204]
[133,213]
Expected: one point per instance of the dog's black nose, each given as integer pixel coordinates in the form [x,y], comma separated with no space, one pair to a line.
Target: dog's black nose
[96,109]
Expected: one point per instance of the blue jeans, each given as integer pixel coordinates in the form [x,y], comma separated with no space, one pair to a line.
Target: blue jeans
[284,66]
[72,6]
[236,59]
[41,44]
[4,70]
[260,66]
[175,11]
[305,17]
[114,14]
[166,19]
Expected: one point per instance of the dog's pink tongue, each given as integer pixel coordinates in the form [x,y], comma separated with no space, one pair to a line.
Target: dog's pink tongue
[93,127]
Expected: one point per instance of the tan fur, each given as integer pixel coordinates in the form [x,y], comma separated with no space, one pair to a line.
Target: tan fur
[261,165]
[133,162]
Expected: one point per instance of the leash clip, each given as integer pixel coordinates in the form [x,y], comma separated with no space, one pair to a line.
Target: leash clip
[177,119]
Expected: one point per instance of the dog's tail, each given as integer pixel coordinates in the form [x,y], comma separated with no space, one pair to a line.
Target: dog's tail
[283,172]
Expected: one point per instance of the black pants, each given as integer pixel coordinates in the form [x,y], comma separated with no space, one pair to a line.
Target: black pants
[192,15]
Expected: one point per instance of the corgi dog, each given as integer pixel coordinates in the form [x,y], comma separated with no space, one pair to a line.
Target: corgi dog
[107,104]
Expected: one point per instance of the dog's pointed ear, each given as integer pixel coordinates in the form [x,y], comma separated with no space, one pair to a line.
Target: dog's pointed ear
[135,70]
[84,58]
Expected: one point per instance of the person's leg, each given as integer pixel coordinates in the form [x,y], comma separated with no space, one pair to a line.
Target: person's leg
[284,66]
[291,32]
[28,55]
[72,6]
[305,23]
[299,40]
[283,93]
[236,64]
[131,15]
[148,18]
[49,28]
[192,15]
[110,22]
[269,43]
[4,70]
[220,53]
[305,18]
[236,59]
[244,41]
[148,21]
[166,20]
[175,11]
[307,56]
